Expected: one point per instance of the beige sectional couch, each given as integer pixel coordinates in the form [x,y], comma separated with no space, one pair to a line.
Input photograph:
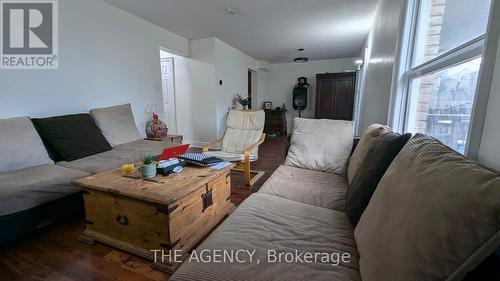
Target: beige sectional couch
[120,154]
[295,209]
[403,235]
[30,179]
[34,186]
[266,222]
[311,187]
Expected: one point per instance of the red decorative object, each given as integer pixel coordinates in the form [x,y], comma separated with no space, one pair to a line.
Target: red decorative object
[155,128]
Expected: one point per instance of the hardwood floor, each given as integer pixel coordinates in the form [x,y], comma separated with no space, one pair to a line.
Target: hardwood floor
[56,254]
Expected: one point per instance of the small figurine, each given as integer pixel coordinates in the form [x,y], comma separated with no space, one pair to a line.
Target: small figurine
[302,83]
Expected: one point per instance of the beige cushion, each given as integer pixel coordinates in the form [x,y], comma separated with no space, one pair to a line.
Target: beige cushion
[316,188]
[121,154]
[136,150]
[244,128]
[321,145]
[20,145]
[117,124]
[28,188]
[434,216]
[365,143]
[264,222]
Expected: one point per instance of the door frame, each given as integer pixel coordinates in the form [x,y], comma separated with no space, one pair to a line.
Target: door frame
[250,88]
[172,61]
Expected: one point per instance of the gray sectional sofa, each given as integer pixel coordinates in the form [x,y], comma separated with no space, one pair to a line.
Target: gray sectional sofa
[435,215]
[35,191]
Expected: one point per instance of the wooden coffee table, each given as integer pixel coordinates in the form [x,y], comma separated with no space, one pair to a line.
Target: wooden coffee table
[168,214]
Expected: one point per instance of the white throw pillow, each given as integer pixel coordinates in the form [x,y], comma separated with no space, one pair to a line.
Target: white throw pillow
[116,123]
[321,145]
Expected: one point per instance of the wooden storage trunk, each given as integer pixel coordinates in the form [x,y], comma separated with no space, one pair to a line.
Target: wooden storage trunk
[166,219]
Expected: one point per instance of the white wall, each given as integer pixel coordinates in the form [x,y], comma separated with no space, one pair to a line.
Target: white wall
[277,85]
[203,49]
[195,99]
[201,103]
[489,151]
[107,57]
[381,43]
[231,66]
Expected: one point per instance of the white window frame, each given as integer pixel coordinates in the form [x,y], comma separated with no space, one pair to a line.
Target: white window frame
[405,73]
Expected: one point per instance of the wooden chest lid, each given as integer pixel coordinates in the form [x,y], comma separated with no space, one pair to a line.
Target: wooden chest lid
[162,190]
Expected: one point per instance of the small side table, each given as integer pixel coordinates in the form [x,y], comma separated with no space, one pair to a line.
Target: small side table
[275,122]
[169,138]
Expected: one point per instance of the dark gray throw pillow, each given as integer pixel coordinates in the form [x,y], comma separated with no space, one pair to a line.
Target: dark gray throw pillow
[376,162]
[71,137]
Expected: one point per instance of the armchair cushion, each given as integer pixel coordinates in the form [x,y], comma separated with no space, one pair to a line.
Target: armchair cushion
[321,145]
[244,128]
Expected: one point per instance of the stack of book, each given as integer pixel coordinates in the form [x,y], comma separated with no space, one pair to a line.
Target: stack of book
[204,160]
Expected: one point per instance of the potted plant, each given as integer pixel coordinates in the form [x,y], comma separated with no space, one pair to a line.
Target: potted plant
[148,168]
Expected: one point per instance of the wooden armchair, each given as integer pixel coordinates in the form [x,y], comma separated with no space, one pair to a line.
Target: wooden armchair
[241,141]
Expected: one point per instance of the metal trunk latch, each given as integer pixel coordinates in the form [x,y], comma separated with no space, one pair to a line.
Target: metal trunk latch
[207,198]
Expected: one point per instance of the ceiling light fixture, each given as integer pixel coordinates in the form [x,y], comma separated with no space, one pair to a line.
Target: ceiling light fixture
[231,11]
[300,60]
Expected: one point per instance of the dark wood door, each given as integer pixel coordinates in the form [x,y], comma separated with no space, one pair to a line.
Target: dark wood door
[335,96]
[250,89]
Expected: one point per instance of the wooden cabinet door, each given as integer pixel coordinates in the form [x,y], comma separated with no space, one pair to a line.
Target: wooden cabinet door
[335,96]
[325,102]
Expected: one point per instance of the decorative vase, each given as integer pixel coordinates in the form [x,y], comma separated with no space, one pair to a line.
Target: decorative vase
[155,128]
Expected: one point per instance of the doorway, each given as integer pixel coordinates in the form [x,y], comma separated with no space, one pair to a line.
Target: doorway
[250,89]
[168,91]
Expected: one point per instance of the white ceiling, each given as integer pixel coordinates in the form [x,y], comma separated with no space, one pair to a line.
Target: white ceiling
[269,30]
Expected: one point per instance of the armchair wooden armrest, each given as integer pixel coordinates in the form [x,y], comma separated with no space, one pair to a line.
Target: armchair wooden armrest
[248,151]
[212,144]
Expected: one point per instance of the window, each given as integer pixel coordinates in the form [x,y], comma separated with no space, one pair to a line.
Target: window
[440,76]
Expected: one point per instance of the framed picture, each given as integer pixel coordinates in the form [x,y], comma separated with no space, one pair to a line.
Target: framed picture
[268,105]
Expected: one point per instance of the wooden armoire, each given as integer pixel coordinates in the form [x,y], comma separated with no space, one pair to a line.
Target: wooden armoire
[335,96]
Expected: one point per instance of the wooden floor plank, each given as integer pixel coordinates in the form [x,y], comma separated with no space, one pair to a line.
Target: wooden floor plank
[56,254]
[135,264]
[30,268]
[11,271]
